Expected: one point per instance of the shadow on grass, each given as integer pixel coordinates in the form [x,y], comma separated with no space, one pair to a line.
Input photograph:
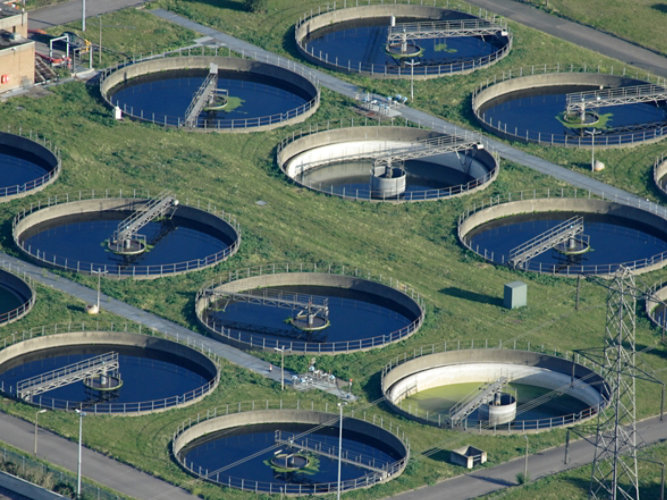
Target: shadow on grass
[472,296]
[225,4]
[438,454]
[660,7]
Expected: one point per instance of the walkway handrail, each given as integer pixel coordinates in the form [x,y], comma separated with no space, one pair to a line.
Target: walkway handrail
[7,192]
[134,271]
[261,342]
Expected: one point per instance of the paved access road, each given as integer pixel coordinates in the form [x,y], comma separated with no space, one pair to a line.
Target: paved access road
[99,468]
[66,12]
[578,34]
[542,464]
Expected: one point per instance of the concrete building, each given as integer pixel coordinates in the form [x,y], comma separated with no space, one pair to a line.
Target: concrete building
[17,53]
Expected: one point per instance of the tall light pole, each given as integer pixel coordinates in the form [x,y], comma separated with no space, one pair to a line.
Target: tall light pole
[83,15]
[525,462]
[592,134]
[340,446]
[43,410]
[412,63]
[281,350]
[78,468]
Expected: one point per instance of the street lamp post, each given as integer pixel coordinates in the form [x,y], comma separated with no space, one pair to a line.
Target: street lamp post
[43,410]
[412,63]
[83,15]
[78,468]
[340,446]
[525,462]
[282,366]
[592,134]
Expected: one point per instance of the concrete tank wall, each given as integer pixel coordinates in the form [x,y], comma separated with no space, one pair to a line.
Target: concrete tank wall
[126,73]
[581,205]
[94,337]
[21,224]
[48,160]
[20,288]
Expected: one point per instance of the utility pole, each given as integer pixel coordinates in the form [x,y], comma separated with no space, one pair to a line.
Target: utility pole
[83,15]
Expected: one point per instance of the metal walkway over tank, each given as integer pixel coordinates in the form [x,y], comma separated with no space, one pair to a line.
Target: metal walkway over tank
[103,364]
[319,448]
[204,95]
[546,240]
[128,230]
[463,409]
[401,32]
[429,147]
[313,304]
[581,101]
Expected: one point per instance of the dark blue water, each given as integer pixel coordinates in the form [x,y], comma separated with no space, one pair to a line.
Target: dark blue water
[9,300]
[226,447]
[353,316]
[147,375]
[169,94]
[353,178]
[364,42]
[613,240]
[536,111]
[84,239]
[19,167]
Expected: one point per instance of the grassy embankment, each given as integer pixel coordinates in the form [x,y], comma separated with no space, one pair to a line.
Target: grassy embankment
[413,243]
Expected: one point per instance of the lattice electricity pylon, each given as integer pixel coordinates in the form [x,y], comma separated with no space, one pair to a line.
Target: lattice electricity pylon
[614,473]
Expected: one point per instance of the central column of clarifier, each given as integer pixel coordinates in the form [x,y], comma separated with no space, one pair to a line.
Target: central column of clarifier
[501,410]
[387,180]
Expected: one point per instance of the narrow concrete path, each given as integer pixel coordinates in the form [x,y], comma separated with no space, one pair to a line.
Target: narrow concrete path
[580,35]
[420,117]
[101,469]
[542,464]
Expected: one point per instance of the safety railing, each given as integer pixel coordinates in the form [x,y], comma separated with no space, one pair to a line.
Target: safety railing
[622,137]
[218,124]
[442,419]
[364,194]
[100,408]
[124,270]
[563,269]
[22,309]
[9,192]
[248,484]
[659,171]
[258,341]
[426,69]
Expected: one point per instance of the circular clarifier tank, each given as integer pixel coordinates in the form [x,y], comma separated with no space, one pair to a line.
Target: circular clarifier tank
[80,236]
[309,311]
[16,297]
[572,109]
[106,372]
[26,165]
[387,163]
[493,389]
[211,93]
[566,236]
[289,451]
[396,40]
